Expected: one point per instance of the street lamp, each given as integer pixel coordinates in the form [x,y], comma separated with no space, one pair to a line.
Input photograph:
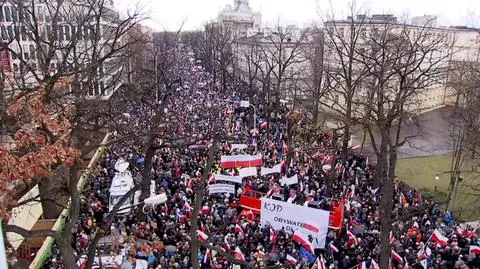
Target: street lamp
[450,201]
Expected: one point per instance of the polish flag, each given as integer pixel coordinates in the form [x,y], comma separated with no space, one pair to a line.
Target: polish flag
[235,161]
[333,248]
[264,125]
[439,238]
[273,236]
[261,253]
[374,265]
[202,236]
[397,257]
[291,259]
[228,248]
[239,230]
[392,238]
[320,263]
[187,207]
[351,237]
[362,265]
[474,250]
[238,254]
[303,240]
[311,227]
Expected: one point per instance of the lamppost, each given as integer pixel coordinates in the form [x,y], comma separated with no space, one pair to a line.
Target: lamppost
[457,179]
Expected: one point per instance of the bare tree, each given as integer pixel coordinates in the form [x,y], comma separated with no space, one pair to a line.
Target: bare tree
[342,40]
[401,61]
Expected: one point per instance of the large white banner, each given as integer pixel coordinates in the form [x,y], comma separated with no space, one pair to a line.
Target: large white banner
[235,179]
[239,146]
[310,221]
[276,169]
[289,180]
[221,188]
[248,172]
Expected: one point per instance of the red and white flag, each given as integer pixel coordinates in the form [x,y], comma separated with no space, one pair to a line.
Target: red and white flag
[303,240]
[202,236]
[239,230]
[333,248]
[236,161]
[362,265]
[397,257]
[239,254]
[291,259]
[474,250]
[273,236]
[264,124]
[374,265]
[187,207]
[261,253]
[352,238]
[392,238]
[439,238]
[228,248]
[320,263]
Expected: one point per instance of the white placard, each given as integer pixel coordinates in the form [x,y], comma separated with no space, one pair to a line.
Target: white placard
[248,172]
[235,179]
[278,215]
[276,169]
[239,146]
[221,188]
[289,180]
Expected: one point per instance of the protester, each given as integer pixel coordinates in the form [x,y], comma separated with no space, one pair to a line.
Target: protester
[161,240]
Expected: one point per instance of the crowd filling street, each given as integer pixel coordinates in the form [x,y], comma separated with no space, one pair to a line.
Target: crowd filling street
[430,239]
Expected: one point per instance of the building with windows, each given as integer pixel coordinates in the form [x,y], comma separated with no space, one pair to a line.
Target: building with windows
[240,18]
[47,38]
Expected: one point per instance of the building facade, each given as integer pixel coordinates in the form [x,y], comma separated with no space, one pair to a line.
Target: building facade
[240,18]
[48,38]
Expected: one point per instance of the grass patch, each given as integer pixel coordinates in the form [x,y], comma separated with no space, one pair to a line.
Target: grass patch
[420,173]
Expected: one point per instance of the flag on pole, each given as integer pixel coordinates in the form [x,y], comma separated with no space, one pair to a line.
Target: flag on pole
[202,236]
[239,254]
[439,238]
[362,265]
[374,265]
[397,257]
[239,230]
[320,263]
[333,248]
[352,238]
[474,250]
[291,259]
[302,240]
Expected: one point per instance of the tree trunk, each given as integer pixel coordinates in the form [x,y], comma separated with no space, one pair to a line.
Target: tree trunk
[48,195]
[147,174]
[386,207]
[68,254]
[345,140]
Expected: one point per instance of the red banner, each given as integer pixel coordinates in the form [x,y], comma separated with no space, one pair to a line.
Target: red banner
[251,200]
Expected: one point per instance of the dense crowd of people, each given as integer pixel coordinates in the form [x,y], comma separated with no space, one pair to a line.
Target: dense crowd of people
[162,238]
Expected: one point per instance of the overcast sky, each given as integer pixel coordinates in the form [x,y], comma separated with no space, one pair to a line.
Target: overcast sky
[169,14]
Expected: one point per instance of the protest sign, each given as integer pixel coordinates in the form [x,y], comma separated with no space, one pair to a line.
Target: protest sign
[289,180]
[221,188]
[310,221]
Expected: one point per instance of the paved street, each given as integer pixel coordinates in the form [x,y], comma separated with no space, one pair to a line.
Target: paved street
[431,137]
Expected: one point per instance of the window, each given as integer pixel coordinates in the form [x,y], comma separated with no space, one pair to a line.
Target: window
[34,67]
[16,31]
[67,32]
[61,33]
[80,33]
[8,13]
[4,33]
[33,52]
[15,67]
[73,31]
[11,35]
[2,17]
[24,33]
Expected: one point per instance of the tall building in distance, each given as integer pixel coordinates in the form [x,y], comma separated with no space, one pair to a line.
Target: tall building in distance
[240,18]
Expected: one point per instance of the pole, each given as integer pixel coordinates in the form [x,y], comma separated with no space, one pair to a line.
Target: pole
[455,189]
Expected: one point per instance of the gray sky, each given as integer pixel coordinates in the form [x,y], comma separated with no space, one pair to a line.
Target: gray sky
[169,14]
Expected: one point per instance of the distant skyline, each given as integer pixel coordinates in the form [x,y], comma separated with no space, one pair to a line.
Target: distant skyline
[169,14]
